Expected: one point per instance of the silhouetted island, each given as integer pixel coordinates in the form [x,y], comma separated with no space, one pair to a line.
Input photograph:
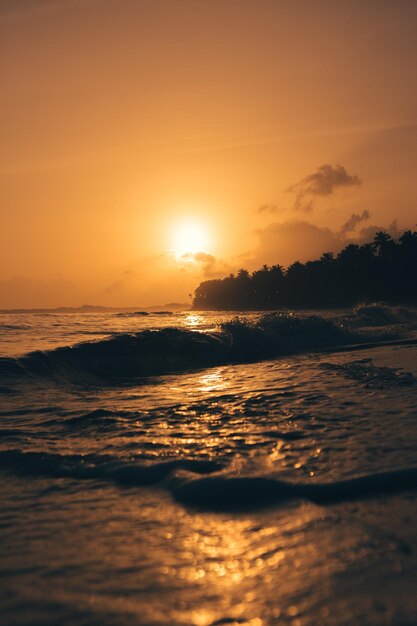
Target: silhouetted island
[384,269]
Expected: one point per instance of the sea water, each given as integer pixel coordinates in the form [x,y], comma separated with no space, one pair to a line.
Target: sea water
[187,470]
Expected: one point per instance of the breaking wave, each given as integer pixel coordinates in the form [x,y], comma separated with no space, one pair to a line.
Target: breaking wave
[123,357]
[381,314]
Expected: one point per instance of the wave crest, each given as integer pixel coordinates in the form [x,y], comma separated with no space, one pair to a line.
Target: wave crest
[123,357]
[381,314]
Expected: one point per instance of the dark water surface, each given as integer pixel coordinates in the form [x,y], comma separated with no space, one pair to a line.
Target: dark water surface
[140,486]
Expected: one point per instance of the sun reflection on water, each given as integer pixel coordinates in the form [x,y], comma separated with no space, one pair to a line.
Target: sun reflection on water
[212,381]
[230,560]
[193,320]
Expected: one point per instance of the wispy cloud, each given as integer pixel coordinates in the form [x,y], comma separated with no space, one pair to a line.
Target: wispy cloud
[355,219]
[323,182]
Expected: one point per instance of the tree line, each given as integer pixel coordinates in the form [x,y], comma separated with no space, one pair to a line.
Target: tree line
[384,269]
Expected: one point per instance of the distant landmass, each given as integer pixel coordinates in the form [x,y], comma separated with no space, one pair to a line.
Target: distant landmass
[92,308]
[382,270]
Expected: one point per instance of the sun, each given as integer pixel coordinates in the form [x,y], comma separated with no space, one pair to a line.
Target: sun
[189,237]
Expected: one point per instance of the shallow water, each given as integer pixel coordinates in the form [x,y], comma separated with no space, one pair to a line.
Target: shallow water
[22,333]
[218,495]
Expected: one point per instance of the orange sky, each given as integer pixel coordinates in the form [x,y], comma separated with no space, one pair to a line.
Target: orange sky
[122,119]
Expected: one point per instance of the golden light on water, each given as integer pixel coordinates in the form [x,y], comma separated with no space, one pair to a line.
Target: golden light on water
[234,558]
[193,320]
[213,381]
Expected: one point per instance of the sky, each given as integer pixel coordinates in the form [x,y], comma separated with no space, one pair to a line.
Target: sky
[147,145]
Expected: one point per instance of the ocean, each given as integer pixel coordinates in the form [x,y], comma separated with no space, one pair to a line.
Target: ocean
[207,469]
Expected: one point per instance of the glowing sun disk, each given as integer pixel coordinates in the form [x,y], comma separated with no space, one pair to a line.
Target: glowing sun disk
[189,238]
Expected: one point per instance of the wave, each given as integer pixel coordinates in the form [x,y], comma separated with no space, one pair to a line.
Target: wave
[131,314]
[142,313]
[121,357]
[13,327]
[94,466]
[215,490]
[381,314]
[124,357]
[229,493]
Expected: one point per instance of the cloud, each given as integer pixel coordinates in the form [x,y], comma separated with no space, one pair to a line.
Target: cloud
[267,208]
[211,267]
[368,233]
[300,240]
[353,221]
[204,257]
[207,260]
[286,242]
[325,179]
[321,183]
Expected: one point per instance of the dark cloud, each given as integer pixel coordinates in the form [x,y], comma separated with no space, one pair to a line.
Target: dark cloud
[323,182]
[325,179]
[355,219]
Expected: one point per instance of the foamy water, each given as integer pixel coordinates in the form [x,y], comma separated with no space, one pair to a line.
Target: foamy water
[206,475]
